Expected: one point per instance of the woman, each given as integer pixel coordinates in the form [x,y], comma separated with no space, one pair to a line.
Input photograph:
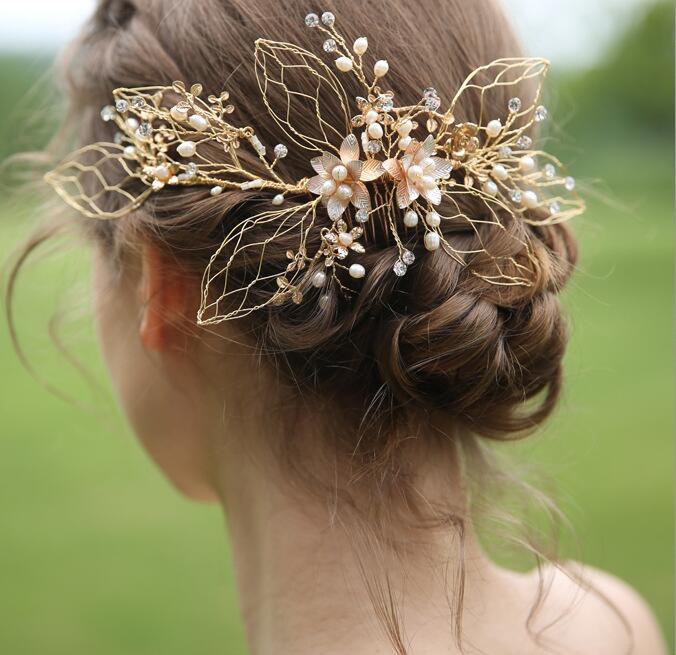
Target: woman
[380,298]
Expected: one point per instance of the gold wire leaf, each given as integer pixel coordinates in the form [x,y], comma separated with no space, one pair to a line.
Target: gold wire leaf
[300,92]
[85,181]
[495,84]
[241,278]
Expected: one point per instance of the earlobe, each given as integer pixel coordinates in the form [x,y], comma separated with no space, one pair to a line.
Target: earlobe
[164,298]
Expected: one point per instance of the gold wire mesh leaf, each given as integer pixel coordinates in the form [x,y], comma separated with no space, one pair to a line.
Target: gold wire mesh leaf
[239,273]
[303,95]
[85,181]
[505,78]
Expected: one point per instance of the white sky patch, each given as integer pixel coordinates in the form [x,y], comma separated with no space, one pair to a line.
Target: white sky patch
[569,32]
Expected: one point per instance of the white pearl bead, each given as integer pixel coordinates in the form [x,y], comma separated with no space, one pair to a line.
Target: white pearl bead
[216,191]
[527,164]
[381,67]
[375,131]
[129,151]
[494,128]
[179,114]
[187,149]
[162,172]
[433,219]
[357,271]
[371,116]
[278,199]
[339,173]
[411,218]
[344,192]
[405,128]
[329,188]
[319,279]
[415,172]
[491,188]
[345,239]
[530,199]
[432,241]
[500,172]
[429,182]
[344,64]
[132,123]
[360,45]
[198,122]
[405,142]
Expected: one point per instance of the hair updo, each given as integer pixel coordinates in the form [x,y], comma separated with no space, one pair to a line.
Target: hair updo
[441,339]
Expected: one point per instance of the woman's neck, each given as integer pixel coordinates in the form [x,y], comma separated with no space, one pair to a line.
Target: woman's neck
[312,578]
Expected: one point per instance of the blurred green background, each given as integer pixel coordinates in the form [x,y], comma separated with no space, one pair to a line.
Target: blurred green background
[99,555]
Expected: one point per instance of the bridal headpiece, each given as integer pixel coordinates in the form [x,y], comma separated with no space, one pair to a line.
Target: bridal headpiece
[411,167]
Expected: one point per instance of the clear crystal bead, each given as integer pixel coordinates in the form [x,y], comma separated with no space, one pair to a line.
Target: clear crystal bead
[386,103]
[144,130]
[138,103]
[374,147]
[281,151]
[554,208]
[362,216]
[399,268]
[570,183]
[550,171]
[330,45]
[108,113]
[331,237]
[541,113]
[191,170]
[506,152]
[524,142]
[514,105]
[432,103]
[429,91]
[312,20]
[328,19]
[407,257]
[121,105]
[341,252]
[516,196]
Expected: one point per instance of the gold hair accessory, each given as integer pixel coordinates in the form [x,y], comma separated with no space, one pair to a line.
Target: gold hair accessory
[411,167]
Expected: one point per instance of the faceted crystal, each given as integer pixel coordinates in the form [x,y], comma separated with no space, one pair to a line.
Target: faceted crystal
[385,103]
[505,152]
[331,237]
[399,268]
[429,91]
[328,19]
[516,196]
[191,170]
[281,151]
[108,113]
[514,105]
[570,183]
[312,20]
[342,252]
[374,147]
[524,142]
[330,45]
[550,171]
[432,103]
[541,113]
[138,103]
[144,130]
[407,257]
[362,216]
[554,208]
[121,106]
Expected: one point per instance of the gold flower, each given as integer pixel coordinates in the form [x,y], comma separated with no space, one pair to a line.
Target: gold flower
[341,181]
[338,241]
[418,172]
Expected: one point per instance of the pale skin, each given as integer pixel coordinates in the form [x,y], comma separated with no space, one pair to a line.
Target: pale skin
[195,400]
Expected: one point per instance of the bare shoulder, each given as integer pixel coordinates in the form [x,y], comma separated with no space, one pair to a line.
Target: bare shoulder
[591,611]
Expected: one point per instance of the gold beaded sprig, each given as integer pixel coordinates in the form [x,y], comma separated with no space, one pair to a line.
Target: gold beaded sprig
[411,167]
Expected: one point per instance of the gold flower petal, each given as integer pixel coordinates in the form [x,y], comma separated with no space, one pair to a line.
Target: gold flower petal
[329,162]
[318,164]
[315,184]
[336,207]
[360,196]
[442,167]
[433,195]
[404,197]
[349,149]
[354,169]
[372,170]
[393,167]
[427,149]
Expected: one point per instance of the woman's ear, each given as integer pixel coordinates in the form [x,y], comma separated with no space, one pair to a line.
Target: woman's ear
[166,298]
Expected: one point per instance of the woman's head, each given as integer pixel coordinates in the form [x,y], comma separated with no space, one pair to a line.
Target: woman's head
[440,344]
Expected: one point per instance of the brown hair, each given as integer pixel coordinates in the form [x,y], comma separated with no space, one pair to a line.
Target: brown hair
[441,339]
